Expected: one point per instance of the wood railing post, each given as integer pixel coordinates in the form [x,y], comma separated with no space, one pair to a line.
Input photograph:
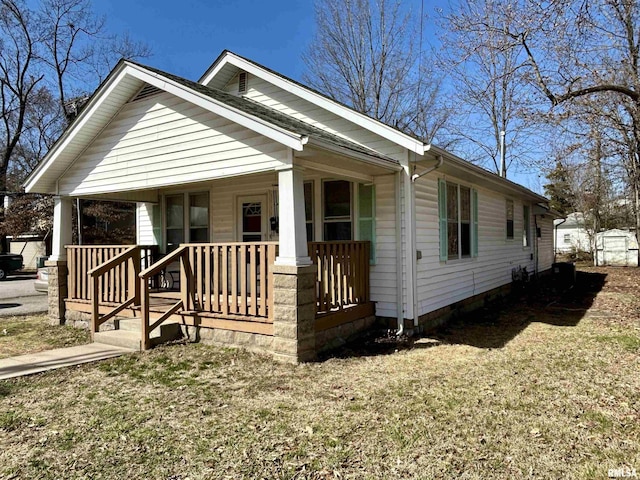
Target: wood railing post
[95,305]
[133,275]
[144,311]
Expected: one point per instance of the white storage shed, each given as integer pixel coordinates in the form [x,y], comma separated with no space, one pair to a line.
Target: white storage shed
[617,248]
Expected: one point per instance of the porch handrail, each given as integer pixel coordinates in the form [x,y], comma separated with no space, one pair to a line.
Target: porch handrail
[132,254]
[162,263]
[109,264]
[186,290]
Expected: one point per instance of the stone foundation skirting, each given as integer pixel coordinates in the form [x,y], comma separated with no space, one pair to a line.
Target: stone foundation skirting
[336,337]
[432,320]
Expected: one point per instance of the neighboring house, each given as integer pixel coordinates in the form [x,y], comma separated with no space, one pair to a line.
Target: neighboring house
[291,220]
[33,249]
[571,234]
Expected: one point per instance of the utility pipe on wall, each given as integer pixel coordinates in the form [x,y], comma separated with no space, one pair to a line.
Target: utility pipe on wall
[416,176]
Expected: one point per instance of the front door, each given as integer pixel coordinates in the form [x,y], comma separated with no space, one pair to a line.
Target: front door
[252,218]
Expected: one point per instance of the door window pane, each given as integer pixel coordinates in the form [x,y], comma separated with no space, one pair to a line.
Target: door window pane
[252,222]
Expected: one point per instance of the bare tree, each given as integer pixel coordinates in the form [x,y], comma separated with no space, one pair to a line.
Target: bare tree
[19,81]
[51,52]
[79,51]
[576,50]
[365,55]
[489,95]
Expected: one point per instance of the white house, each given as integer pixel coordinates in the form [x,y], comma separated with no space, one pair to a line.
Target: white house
[293,219]
[571,234]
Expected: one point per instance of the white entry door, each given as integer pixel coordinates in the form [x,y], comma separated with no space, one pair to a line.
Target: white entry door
[252,218]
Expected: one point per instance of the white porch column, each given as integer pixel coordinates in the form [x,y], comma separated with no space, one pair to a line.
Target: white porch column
[62,228]
[293,233]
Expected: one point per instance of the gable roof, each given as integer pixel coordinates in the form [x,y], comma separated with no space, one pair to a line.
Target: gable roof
[219,73]
[127,78]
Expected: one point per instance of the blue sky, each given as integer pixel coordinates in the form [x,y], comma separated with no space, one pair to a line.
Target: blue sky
[186,36]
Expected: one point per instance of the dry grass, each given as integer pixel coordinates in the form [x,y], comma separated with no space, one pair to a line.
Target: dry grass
[548,388]
[32,333]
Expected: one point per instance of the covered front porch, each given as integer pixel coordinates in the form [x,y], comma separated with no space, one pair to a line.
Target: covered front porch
[270,286]
[226,286]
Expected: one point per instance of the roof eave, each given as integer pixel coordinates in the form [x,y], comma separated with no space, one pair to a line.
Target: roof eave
[485,174]
[343,111]
[376,160]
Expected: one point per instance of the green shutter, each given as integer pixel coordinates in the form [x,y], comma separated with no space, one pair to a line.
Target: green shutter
[442,211]
[367,217]
[474,233]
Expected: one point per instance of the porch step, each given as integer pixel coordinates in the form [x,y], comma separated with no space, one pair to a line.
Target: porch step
[164,333]
[119,338]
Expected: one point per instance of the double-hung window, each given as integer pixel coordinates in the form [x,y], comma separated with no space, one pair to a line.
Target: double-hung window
[509,212]
[458,212]
[337,210]
[526,226]
[189,224]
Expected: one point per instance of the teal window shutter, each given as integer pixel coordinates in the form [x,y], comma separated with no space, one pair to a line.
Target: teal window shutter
[442,213]
[367,217]
[474,235]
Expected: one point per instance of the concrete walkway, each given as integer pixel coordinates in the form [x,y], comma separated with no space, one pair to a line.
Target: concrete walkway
[57,358]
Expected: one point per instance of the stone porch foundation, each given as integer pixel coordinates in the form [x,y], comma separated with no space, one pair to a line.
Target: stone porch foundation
[57,291]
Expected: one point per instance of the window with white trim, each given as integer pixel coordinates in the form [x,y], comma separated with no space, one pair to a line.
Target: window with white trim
[526,226]
[509,215]
[337,210]
[184,225]
[458,211]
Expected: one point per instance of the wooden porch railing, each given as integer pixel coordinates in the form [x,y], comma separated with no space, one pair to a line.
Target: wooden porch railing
[343,274]
[233,280]
[106,274]
[112,283]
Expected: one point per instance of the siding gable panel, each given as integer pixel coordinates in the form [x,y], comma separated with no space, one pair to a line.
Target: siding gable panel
[164,141]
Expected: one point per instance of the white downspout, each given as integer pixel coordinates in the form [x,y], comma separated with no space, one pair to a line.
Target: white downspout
[414,263]
[399,260]
[410,242]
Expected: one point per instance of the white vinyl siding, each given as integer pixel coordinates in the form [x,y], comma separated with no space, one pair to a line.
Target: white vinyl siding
[545,242]
[441,284]
[163,141]
[147,224]
[274,97]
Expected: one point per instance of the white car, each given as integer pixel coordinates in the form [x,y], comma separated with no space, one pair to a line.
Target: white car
[42,280]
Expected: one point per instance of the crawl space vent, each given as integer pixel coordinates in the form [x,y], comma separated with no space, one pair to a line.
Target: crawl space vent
[242,82]
[146,92]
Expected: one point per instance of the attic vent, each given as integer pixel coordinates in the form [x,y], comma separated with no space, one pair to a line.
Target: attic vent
[146,92]
[242,82]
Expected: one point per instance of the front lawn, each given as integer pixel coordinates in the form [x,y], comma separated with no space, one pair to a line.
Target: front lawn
[33,333]
[547,388]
